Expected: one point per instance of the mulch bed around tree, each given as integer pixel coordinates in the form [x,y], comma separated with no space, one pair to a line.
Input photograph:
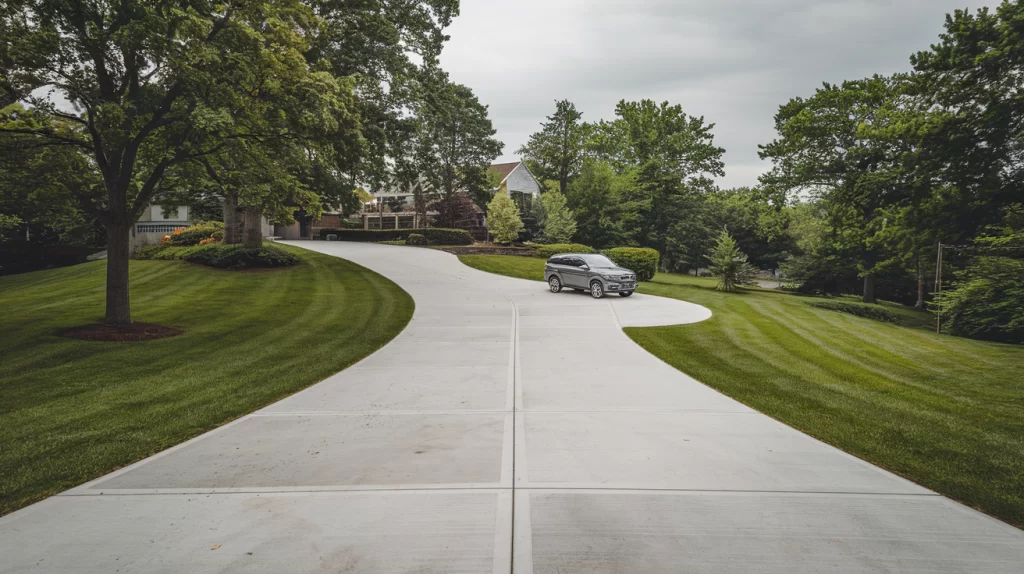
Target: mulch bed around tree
[122,333]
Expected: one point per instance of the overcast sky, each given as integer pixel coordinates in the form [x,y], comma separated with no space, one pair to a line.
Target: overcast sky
[732,61]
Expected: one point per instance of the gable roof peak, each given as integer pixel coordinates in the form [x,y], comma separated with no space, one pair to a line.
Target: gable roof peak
[505,169]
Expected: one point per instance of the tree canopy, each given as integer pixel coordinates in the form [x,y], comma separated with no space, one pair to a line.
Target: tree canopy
[556,151]
[276,107]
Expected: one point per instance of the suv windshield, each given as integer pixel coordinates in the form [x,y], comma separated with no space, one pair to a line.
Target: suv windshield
[598,261]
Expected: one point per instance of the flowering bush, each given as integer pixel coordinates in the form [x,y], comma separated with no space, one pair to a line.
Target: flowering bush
[196,234]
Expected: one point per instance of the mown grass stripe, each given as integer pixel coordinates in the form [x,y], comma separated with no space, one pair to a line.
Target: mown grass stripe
[73,410]
[941,411]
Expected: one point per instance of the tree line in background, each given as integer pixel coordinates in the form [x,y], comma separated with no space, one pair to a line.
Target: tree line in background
[868,177]
[262,108]
[246,109]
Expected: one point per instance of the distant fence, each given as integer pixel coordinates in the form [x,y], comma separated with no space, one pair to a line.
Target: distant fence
[159,227]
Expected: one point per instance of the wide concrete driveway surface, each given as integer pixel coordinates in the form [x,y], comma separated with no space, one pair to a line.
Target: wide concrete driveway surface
[506,429]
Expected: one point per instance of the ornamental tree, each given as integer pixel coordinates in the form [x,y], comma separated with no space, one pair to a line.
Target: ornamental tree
[503,218]
[729,264]
[559,221]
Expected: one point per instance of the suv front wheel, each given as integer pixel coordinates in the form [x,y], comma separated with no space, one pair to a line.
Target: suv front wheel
[625,293]
[596,289]
[555,284]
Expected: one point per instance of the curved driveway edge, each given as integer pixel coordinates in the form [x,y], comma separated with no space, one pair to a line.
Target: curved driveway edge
[506,429]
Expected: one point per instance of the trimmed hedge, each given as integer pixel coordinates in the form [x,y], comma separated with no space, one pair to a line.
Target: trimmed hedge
[222,256]
[416,239]
[433,235]
[546,251]
[193,235]
[642,260]
[865,311]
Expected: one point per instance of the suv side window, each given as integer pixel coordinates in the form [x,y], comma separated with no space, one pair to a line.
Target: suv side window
[556,261]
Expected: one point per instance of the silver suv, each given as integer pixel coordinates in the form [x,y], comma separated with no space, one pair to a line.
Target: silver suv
[594,273]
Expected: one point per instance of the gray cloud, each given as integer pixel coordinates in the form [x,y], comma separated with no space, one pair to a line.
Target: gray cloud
[732,61]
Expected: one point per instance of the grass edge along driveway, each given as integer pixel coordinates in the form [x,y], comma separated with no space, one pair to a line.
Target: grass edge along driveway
[71,411]
[944,412]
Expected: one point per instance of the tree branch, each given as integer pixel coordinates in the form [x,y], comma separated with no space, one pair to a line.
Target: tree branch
[63,140]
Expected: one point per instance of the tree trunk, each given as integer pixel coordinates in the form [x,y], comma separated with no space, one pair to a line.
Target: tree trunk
[920,285]
[232,223]
[252,231]
[118,308]
[869,288]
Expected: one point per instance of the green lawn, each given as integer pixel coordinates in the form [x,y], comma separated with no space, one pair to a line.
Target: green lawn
[945,412]
[73,410]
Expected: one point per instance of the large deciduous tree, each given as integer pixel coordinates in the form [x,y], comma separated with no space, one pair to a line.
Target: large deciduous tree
[455,141]
[154,86]
[37,184]
[824,151]
[673,158]
[608,206]
[386,47]
[557,150]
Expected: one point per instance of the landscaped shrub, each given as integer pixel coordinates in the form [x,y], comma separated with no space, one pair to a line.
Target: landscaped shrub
[221,256]
[416,239]
[546,251]
[149,251]
[642,260]
[199,232]
[164,252]
[434,235]
[867,311]
[240,257]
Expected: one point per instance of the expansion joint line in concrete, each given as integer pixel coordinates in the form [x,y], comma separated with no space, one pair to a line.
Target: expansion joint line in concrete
[515,400]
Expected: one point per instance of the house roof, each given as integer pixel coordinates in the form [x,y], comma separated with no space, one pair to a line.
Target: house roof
[504,169]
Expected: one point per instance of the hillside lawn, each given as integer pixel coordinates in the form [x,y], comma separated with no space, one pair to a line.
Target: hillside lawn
[944,412]
[73,410]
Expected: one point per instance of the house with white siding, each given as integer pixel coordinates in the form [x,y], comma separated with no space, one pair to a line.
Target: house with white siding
[516,177]
[522,187]
[156,222]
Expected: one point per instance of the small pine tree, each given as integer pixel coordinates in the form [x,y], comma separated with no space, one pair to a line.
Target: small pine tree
[503,218]
[560,223]
[729,264]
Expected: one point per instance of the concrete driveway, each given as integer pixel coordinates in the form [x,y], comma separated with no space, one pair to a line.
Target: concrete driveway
[506,429]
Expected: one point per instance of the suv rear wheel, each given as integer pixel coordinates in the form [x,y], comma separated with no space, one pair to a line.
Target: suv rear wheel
[555,284]
[596,289]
